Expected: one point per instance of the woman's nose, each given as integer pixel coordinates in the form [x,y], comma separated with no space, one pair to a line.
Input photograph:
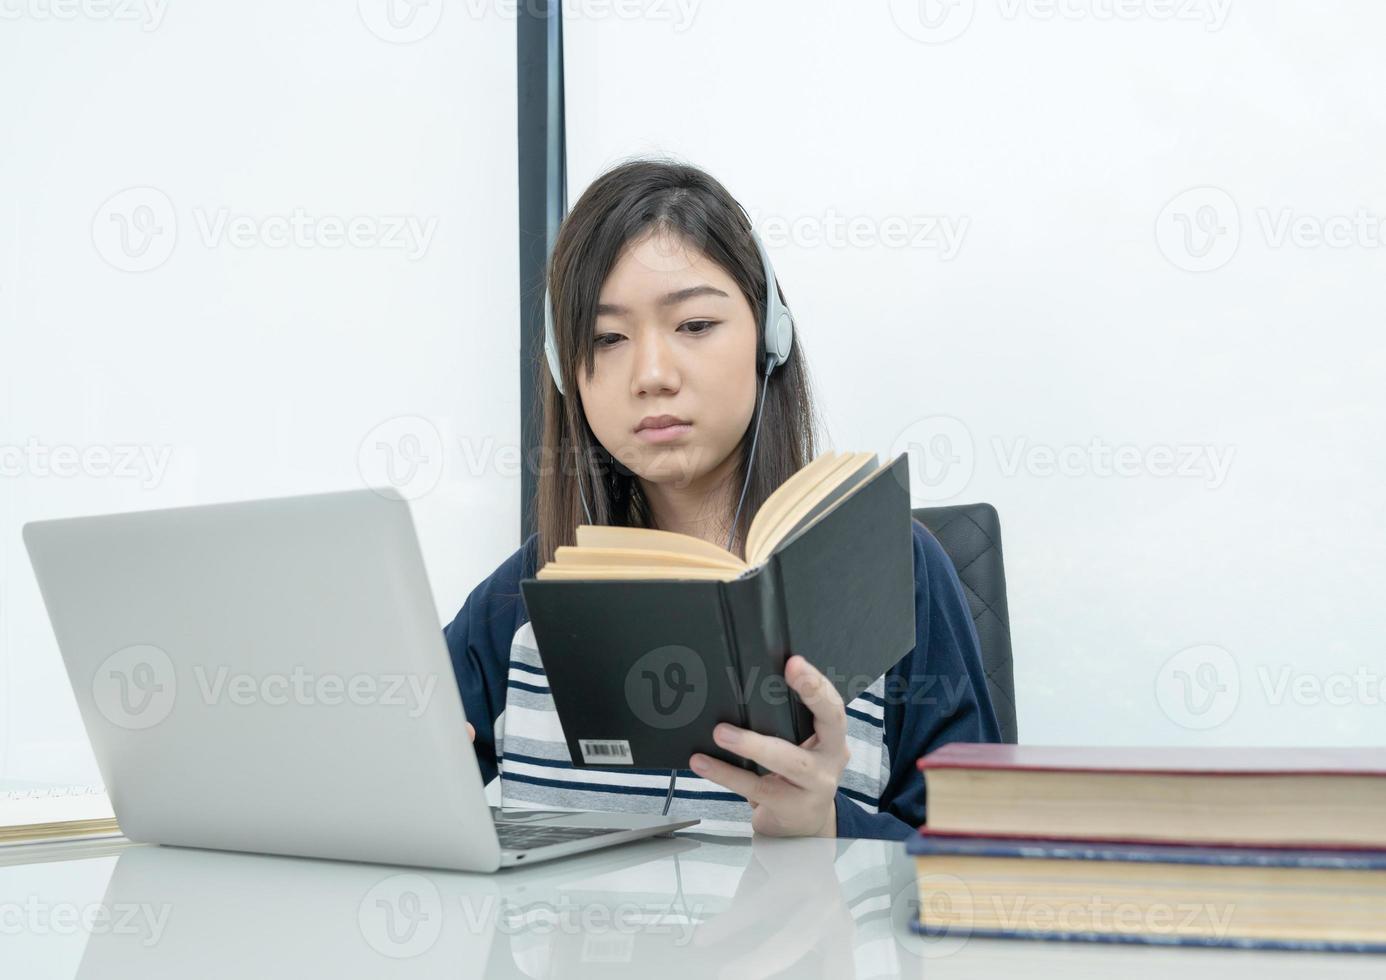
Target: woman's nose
[656,368]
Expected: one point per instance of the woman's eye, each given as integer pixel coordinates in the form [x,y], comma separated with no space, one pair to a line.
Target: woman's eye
[696,327]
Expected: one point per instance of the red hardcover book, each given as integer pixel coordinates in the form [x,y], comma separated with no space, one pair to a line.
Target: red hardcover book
[1265,797]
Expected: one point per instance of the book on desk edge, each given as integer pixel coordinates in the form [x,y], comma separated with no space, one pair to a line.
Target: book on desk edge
[967,845]
[1049,857]
[1151,939]
[1202,760]
[1308,797]
[641,670]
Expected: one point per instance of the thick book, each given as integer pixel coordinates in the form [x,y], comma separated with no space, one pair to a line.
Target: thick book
[650,638]
[1270,797]
[1286,898]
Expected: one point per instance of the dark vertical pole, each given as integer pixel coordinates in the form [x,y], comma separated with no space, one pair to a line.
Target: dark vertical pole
[543,201]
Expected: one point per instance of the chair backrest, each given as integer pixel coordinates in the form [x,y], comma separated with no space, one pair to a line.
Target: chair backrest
[971,535]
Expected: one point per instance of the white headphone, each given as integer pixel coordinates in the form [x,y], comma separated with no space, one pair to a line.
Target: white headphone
[778,327]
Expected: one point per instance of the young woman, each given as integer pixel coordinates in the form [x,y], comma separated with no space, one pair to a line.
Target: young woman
[658,296]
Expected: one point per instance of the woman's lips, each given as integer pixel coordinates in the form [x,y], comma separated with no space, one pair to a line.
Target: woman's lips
[667,433]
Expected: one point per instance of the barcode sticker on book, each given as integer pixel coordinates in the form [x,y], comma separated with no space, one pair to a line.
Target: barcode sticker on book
[606,752]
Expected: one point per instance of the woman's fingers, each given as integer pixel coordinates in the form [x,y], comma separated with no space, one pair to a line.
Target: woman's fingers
[728,776]
[818,693]
[797,795]
[471,732]
[795,764]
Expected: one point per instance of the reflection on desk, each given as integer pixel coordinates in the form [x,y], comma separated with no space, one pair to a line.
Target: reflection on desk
[687,906]
[672,907]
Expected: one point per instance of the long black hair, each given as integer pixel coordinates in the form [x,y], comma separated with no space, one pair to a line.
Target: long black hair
[623,205]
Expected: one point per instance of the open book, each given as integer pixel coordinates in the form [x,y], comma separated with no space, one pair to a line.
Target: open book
[633,552]
[650,638]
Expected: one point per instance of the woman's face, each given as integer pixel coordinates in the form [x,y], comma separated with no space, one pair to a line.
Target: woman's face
[674,336]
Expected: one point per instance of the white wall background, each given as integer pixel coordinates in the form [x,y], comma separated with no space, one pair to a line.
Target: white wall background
[980,209]
[967,205]
[243,357]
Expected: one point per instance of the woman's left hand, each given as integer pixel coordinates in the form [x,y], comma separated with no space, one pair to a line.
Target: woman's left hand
[798,796]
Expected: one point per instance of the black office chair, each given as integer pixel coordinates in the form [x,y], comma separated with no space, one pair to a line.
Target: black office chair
[971,535]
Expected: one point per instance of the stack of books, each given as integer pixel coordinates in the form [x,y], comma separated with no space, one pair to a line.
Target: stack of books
[1266,848]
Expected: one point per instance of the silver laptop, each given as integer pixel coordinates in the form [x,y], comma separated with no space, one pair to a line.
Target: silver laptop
[271,676]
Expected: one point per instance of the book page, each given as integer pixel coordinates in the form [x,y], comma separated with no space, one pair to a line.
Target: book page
[851,480]
[848,465]
[573,557]
[633,552]
[649,539]
[594,572]
[784,497]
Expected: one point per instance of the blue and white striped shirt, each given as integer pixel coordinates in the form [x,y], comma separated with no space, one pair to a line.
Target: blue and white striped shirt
[936,694]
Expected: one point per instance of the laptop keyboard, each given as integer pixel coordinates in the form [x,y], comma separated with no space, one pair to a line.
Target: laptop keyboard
[523,836]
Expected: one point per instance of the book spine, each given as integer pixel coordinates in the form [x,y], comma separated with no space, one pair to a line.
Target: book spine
[757,634]
[735,671]
[925,844]
[1136,938]
[800,718]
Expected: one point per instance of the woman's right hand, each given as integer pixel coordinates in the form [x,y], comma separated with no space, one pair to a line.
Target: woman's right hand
[471,732]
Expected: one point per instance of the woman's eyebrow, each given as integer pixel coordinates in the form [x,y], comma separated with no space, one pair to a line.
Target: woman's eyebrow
[668,299]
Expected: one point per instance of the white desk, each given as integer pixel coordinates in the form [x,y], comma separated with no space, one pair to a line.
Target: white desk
[692,906]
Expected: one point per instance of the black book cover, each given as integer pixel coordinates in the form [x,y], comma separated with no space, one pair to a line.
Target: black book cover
[641,670]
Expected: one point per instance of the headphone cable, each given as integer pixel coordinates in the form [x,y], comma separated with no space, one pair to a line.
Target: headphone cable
[755,435]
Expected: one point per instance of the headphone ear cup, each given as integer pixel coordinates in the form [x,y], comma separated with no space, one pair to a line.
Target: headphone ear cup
[555,369]
[551,345]
[779,322]
[779,338]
